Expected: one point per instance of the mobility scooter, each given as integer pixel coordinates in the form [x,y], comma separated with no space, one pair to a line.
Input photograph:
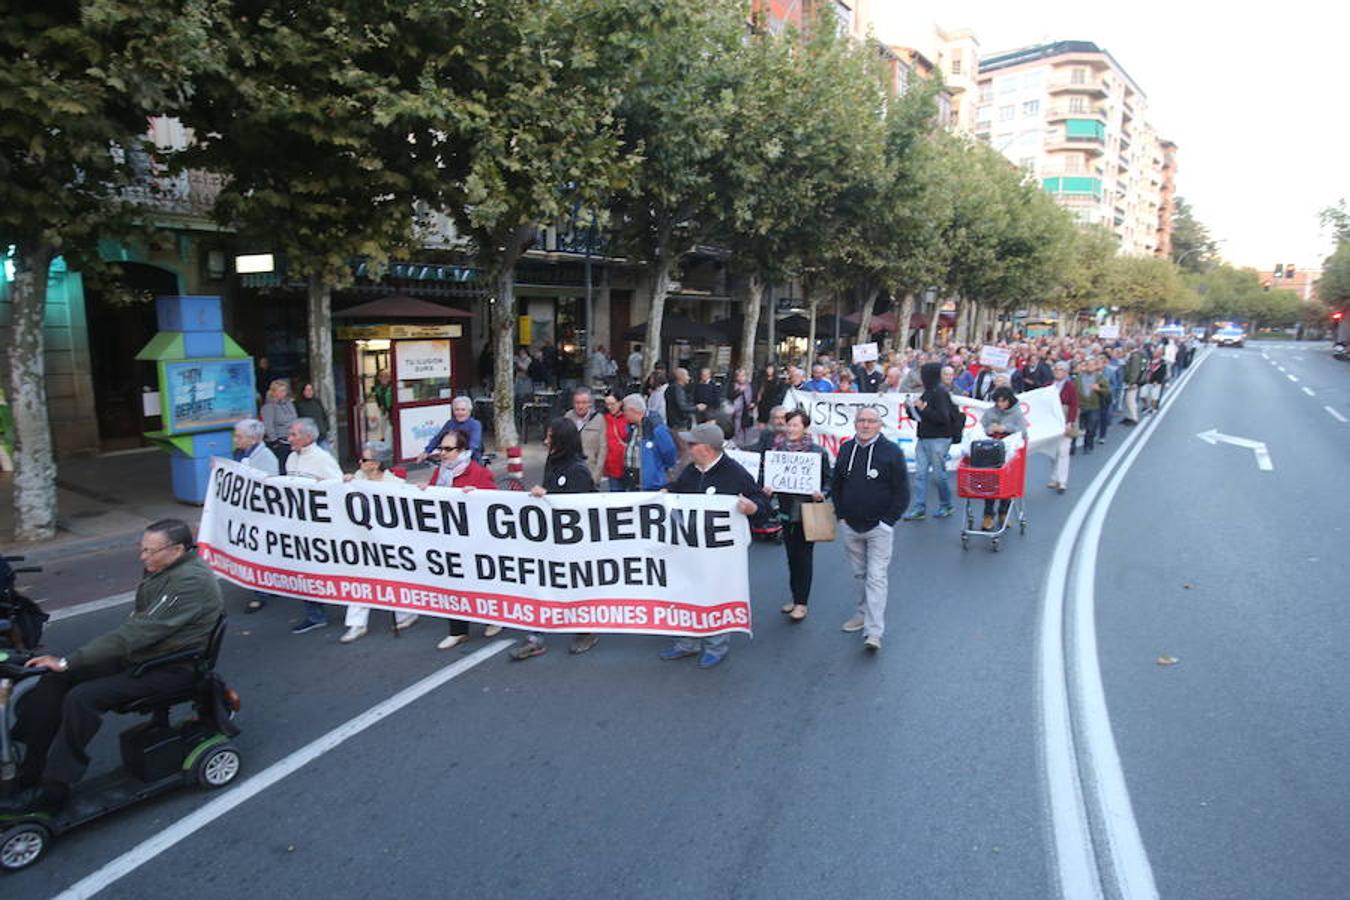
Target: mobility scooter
[157,755]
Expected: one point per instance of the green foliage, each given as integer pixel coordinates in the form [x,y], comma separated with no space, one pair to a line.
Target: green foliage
[1151,286]
[75,88]
[1227,293]
[1333,288]
[1337,218]
[1192,247]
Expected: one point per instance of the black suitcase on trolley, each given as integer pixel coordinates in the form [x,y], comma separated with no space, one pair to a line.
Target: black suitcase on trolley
[987,454]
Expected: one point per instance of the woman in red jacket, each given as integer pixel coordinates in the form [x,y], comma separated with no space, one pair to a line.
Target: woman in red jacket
[456,468]
[616,440]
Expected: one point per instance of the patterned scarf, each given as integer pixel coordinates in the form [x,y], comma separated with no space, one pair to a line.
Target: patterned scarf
[783,442]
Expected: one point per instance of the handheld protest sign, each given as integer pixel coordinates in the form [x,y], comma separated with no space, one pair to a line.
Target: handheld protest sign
[792,473]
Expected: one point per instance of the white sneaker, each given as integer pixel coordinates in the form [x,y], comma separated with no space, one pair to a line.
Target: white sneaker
[453,640]
[404,620]
[356,632]
[492,631]
[872,642]
[852,625]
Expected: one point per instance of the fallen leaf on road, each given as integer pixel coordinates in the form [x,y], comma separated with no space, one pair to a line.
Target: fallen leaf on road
[1168,660]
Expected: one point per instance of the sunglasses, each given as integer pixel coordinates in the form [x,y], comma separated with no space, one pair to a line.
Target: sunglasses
[366,459]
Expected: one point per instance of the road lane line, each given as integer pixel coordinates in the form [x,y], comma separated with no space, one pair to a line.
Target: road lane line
[193,822]
[80,609]
[1335,414]
[1281,368]
[1293,378]
[1069,703]
[1309,391]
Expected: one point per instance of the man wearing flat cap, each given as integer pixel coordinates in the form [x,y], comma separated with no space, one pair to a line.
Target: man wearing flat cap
[710,471]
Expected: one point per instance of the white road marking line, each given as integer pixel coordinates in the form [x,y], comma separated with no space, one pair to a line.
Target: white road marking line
[1094,764]
[193,822]
[80,609]
[1309,391]
[1336,415]
[1281,368]
[1293,378]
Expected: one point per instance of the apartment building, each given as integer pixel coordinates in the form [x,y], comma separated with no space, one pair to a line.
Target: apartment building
[853,16]
[1070,115]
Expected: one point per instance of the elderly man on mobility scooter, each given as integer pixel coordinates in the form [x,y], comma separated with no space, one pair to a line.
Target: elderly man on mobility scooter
[177,608]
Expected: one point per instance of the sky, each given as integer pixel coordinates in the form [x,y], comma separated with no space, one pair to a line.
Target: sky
[1254,96]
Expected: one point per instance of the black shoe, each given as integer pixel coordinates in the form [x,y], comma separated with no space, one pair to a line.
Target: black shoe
[48,799]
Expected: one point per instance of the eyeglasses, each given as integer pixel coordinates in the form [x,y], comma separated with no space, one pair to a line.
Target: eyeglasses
[151,551]
[445,449]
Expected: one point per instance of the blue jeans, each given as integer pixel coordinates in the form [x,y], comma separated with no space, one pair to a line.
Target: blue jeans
[1088,423]
[717,645]
[315,612]
[616,485]
[931,456]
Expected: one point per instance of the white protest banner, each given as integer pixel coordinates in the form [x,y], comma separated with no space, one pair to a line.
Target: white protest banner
[646,563]
[994,357]
[792,473]
[1108,332]
[832,416]
[865,352]
[748,460]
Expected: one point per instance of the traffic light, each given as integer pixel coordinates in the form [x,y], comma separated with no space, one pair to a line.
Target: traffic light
[1279,270]
[1288,271]
[1337,316]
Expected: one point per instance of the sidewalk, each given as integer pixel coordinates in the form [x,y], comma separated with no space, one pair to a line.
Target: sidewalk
[105,501]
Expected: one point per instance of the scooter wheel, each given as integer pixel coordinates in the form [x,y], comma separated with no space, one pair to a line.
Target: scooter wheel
[218,766]
[23,845]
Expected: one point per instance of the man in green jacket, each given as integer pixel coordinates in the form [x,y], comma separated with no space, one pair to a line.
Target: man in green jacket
[177,607]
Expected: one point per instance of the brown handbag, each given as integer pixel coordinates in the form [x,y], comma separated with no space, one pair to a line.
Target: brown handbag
[818,521]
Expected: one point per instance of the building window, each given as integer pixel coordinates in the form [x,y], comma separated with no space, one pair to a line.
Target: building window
[1006,113]
[986,92]
[956,64]
[1078,76]
[1078,104]
[1031,108]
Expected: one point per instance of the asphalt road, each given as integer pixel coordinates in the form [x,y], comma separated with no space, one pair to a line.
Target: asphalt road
[804,767]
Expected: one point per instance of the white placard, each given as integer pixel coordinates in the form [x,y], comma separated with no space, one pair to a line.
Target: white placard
[865,352]
[792,473]
[748,459]
[1110,332]
[422,360]
[150,404]
[417,425]
[994,357]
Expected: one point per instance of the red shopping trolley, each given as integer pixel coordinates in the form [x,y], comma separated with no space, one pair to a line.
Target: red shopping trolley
[1008,482]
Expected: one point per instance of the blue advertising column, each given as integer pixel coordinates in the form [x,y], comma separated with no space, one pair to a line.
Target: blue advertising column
[205,386]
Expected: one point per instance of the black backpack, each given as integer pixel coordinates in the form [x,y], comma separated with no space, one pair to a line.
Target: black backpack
[988,454]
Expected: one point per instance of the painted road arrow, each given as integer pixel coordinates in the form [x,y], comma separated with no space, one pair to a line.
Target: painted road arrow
[1263,462]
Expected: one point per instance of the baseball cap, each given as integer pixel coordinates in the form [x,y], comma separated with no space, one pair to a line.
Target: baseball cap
[709,433]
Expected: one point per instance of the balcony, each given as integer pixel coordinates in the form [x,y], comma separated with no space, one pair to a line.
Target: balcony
[1073,185]
[191,193]
[1060,113]
[1092,87]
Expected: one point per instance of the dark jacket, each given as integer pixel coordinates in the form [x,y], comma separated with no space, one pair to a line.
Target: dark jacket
[725,477]
[679,408]
[940,417]
[313,409]
[709,395]
[1037,377]
[567,476]
[863,501]
[868,383]
[176,609]
[767,396]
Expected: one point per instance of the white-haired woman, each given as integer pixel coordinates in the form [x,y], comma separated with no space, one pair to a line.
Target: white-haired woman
[251,450]
[375,456]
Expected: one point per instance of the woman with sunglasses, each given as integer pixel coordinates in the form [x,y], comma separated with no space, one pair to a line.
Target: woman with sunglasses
[455,467]
[565,472]
[374,462]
